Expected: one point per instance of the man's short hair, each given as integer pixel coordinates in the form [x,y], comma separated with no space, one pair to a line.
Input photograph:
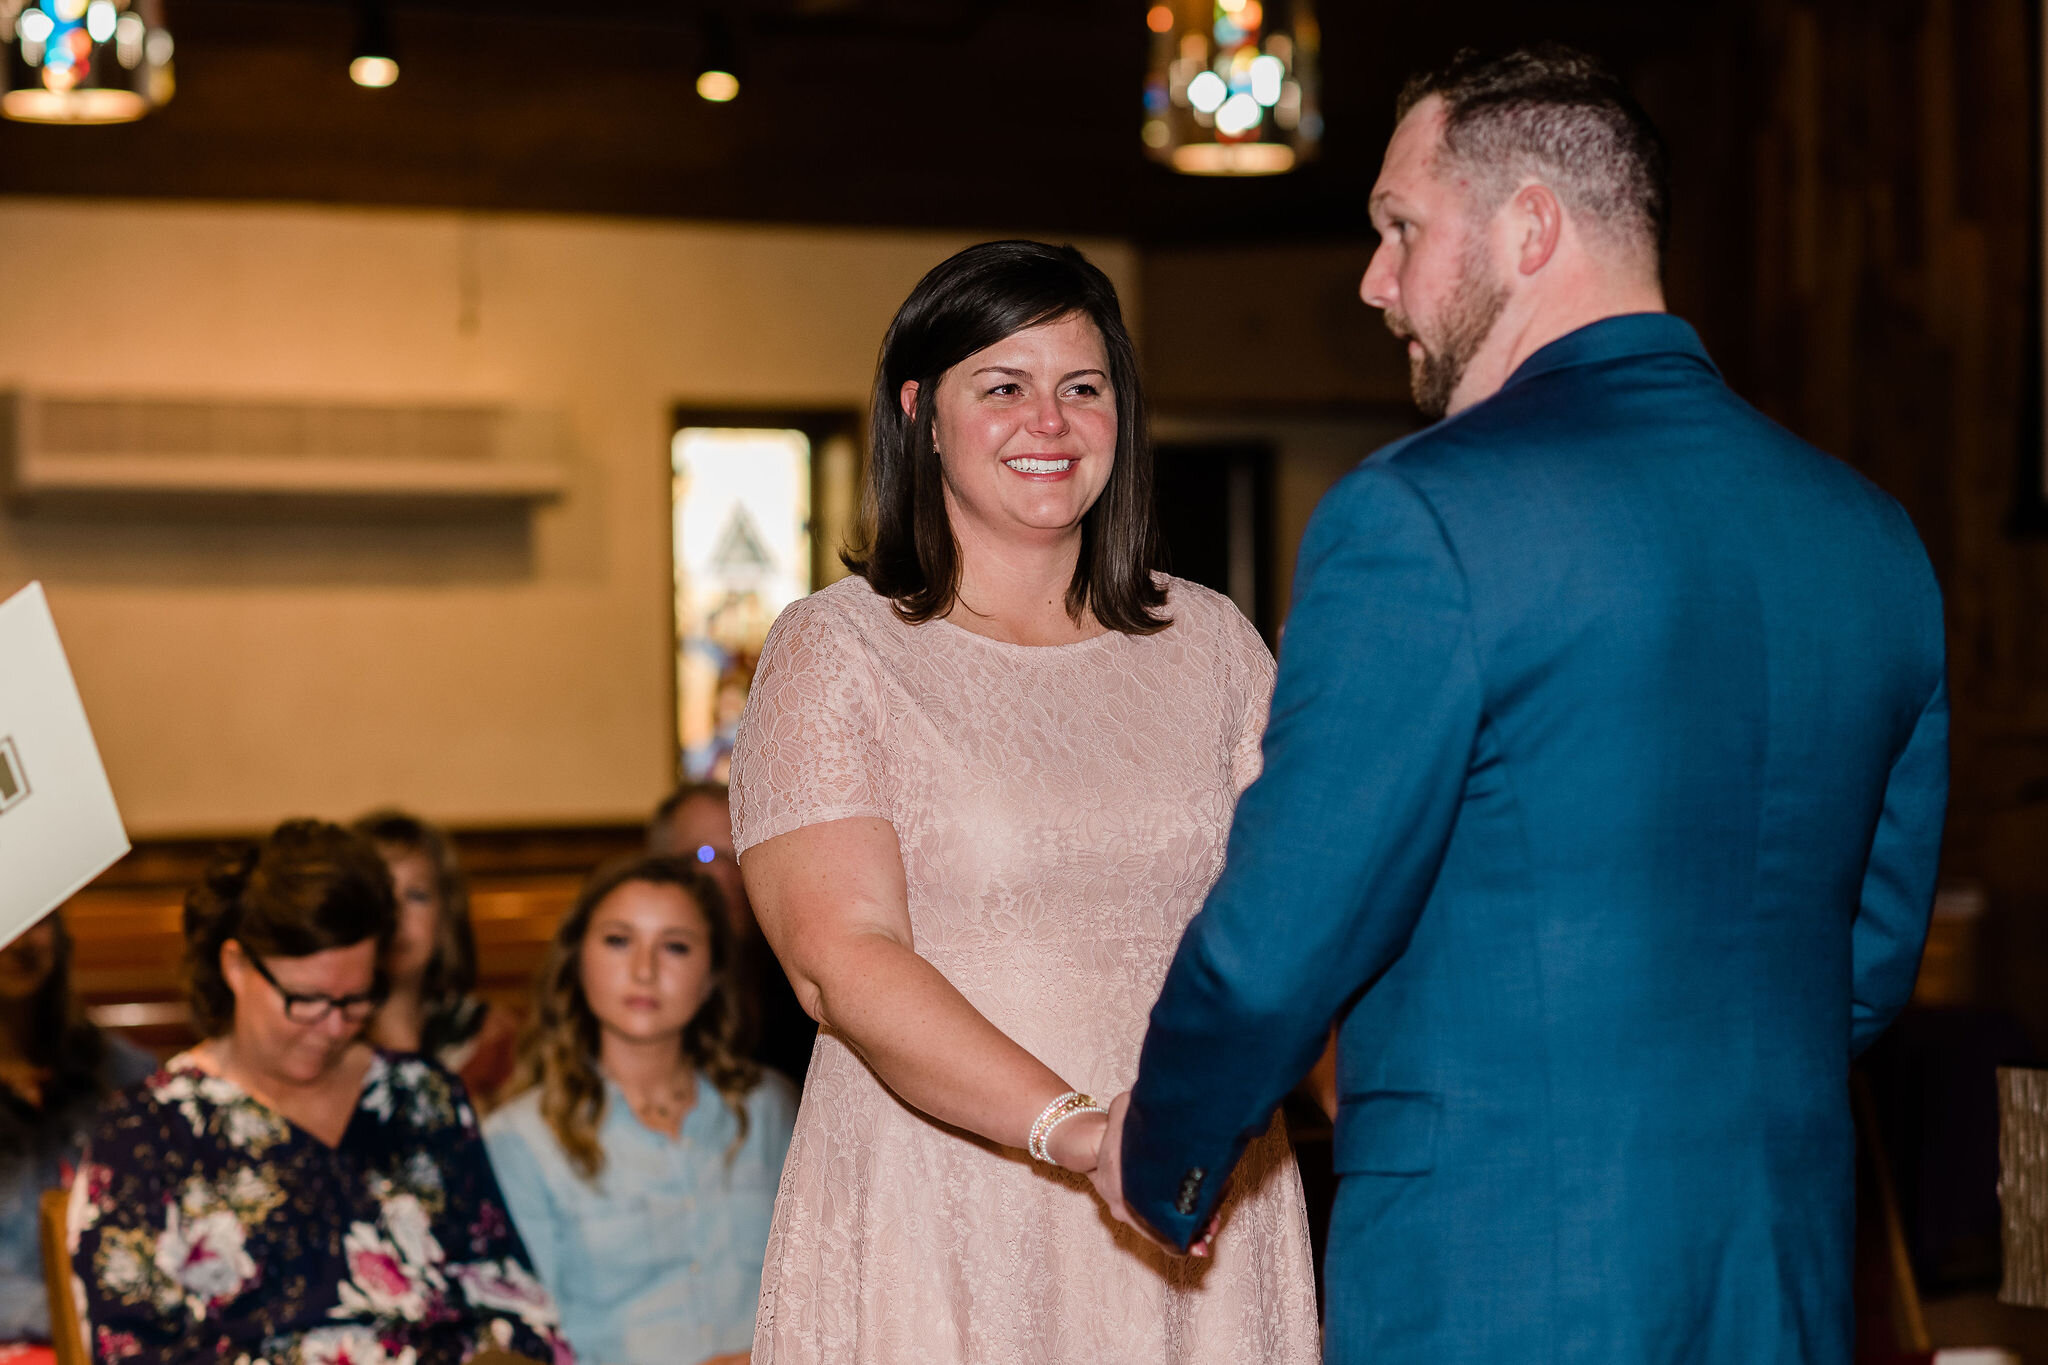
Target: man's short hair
[1557,115]
[660,838]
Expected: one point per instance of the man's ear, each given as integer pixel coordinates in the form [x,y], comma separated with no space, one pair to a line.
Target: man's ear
[907,396]
[1539,224]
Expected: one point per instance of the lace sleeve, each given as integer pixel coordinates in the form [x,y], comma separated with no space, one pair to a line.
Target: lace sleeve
[809,748]
[1250,679]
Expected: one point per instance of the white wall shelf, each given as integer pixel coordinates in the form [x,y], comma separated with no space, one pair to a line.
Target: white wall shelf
[75,449]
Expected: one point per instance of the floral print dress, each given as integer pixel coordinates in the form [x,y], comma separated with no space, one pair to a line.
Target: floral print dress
[206,1227]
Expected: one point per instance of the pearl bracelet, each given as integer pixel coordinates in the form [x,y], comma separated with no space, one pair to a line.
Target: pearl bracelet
[1056,1113]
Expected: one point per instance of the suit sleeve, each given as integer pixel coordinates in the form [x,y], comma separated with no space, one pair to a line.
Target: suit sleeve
[1333,849]
[1898,881]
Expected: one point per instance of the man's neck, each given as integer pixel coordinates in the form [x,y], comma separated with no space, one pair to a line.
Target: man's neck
[1522,332]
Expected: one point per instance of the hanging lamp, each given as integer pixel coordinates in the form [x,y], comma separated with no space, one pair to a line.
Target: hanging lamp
[84,61]
[1232,87]
[373,62]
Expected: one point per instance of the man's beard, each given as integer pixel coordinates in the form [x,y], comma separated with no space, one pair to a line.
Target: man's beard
[1467,320]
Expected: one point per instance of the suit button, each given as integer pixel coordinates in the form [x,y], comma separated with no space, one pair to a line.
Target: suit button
[1190,1189]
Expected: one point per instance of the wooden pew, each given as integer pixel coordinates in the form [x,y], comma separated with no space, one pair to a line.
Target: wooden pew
[128,926]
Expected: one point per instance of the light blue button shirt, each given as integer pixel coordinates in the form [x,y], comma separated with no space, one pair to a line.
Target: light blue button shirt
[659,1261]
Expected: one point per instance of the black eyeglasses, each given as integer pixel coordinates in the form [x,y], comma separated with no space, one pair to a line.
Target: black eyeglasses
[314,1009]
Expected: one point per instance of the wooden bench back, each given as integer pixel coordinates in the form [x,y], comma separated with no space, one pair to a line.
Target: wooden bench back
[128,925]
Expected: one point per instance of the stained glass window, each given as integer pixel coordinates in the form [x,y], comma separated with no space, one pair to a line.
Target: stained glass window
[742,554]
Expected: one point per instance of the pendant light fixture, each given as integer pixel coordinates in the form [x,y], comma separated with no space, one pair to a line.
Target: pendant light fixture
[84,61]
[1232,88]
[718,75]
[374,63]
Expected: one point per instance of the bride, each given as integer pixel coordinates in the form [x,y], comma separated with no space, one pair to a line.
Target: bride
[980,787]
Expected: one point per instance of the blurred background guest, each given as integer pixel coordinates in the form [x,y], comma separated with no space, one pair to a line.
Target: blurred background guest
[284,1190]
[56,1068]
[430,967]
[642,1162]
[695,823]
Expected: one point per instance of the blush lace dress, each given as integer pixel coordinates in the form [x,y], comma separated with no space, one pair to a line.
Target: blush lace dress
[1061,811]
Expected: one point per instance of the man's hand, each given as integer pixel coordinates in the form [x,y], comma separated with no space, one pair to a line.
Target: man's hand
[1108,1178]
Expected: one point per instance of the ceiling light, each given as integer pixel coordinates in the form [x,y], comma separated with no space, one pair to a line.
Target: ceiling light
[1239,115]
[374,63]
[85,61]
[1207,92]
[718,74]
[1217,67]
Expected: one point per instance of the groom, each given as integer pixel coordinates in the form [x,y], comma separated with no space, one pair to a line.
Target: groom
[1601,803]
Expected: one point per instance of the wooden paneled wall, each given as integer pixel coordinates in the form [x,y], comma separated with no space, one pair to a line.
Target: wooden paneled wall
[1893,238]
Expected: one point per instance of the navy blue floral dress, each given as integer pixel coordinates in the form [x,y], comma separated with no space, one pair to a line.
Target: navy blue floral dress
[206,1227]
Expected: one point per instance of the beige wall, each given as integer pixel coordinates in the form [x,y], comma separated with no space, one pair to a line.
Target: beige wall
[501,670]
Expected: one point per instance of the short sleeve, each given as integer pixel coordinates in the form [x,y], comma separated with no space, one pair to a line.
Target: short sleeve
[809,745]
[1248,680]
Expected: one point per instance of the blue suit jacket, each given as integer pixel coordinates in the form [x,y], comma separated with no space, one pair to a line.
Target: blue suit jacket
[1602,799]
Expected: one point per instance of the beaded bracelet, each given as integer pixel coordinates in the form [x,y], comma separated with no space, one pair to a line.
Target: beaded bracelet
[1056,1113]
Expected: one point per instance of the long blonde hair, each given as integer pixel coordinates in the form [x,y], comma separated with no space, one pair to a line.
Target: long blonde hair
[558,1051]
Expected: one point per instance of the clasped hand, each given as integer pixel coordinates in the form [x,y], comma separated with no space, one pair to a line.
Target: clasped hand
[1093,1145]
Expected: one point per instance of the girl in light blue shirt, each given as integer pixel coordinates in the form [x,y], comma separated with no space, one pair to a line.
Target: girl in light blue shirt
[640,1160]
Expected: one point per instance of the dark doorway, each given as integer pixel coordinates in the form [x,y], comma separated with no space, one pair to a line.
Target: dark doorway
[1216,514]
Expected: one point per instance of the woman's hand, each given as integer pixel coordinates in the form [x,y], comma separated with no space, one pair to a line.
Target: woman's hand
[1077,1143]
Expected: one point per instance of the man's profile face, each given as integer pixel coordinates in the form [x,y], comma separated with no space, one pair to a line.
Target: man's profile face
[1433,274]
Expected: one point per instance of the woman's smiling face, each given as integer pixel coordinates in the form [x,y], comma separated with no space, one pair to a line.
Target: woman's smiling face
[1026,431]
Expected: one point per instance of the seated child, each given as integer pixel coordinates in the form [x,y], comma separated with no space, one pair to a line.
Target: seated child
[641,1162]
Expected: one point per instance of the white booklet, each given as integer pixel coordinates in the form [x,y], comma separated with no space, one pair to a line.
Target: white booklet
[59,827]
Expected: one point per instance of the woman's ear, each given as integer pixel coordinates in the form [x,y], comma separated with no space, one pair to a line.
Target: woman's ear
[907,396]
[234,965]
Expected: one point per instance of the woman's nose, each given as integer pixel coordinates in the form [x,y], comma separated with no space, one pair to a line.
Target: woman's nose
[643,965]
[1049,418]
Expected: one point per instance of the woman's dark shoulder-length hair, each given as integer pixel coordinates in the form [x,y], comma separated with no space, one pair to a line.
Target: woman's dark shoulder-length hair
[61,1037]
[309,887]
[967,303]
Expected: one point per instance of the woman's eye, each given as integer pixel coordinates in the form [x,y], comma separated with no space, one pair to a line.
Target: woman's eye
[615,941]
[1085,391]
[679,949]
[1004,390]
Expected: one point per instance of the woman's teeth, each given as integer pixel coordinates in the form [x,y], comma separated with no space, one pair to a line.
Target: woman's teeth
[1027,465]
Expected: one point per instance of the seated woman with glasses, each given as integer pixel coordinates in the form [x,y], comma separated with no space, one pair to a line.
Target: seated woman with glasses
[283,1191]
